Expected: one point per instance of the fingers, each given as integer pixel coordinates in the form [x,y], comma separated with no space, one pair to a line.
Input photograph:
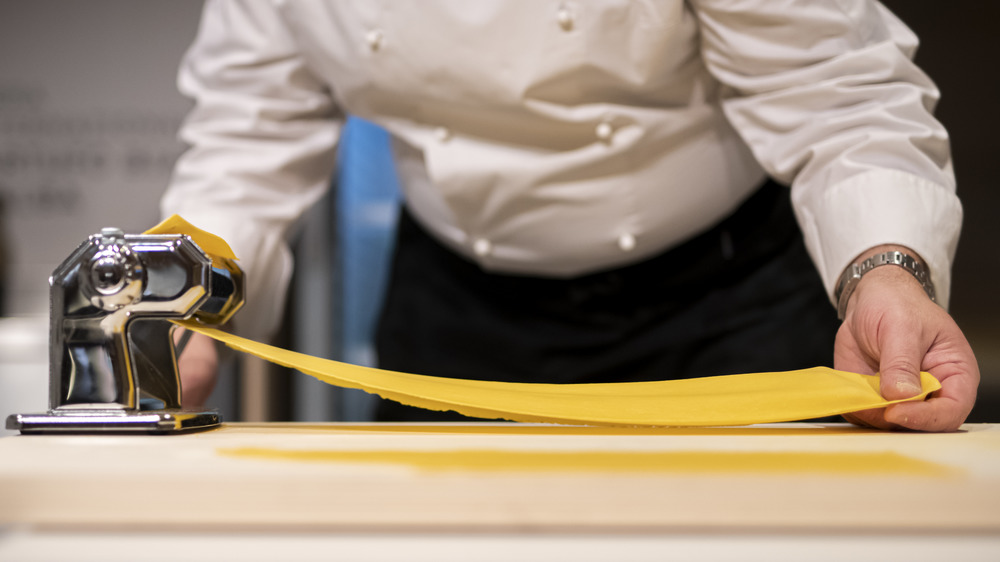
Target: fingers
[902,352]
[938,414]
[932,415]
[870,418]
[198,367]
[946,410]
[850,357]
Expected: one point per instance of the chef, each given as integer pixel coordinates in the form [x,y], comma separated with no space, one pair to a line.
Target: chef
[599,191]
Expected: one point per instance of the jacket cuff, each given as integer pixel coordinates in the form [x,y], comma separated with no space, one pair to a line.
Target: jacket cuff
[881,207]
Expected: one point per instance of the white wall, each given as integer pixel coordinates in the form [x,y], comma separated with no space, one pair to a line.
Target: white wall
[88,119]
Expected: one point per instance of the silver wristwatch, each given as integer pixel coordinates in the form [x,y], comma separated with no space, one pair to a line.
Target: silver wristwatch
[852,276]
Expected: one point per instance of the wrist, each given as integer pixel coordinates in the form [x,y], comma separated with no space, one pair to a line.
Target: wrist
[886,262]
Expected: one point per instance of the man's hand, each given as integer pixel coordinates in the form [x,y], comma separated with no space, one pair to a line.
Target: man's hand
[198,365]
[893,328]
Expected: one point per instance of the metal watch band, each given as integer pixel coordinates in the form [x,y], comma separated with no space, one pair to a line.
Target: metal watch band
[852,276]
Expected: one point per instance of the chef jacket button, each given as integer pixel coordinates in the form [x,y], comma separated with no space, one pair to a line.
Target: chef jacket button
[443,134]
[604,131]
[626,242]
[565,18]
[482,247]
[374,39]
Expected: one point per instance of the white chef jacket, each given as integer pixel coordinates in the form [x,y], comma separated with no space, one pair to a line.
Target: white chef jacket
[557,138]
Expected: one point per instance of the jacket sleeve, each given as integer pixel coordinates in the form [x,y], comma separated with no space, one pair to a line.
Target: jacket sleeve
[827,97]
[262,138]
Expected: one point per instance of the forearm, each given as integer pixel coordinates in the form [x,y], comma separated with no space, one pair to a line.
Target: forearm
[262,138]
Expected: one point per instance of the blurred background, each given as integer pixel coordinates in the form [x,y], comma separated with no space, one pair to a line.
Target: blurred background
[88,118]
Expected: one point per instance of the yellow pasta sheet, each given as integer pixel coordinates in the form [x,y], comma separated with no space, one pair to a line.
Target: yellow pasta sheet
[722,400]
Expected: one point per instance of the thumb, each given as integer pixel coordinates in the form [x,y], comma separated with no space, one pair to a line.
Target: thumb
[900,357]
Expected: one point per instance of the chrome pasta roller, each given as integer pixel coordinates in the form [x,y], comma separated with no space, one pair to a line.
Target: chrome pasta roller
[112,359]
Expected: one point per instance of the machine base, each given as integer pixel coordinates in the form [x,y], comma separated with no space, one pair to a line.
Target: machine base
[114,421]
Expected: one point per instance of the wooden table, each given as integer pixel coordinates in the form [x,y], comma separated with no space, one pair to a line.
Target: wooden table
[936,494]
